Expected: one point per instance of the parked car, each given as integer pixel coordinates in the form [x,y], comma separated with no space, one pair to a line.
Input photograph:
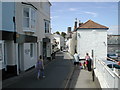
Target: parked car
[112,64]
[65,50]
[113,56]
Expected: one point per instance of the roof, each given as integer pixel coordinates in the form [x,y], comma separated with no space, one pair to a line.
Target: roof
[92,25]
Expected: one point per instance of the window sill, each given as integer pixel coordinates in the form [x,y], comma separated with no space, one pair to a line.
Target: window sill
[29,31]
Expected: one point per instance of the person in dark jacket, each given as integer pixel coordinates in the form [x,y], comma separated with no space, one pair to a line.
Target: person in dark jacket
[89,61]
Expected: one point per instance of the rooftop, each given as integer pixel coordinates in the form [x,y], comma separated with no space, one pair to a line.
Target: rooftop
[92,25]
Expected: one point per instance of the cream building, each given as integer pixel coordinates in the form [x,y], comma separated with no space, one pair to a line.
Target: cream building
[25,35]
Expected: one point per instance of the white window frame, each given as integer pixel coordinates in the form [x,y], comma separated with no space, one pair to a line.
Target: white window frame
[30,28]
[47,26]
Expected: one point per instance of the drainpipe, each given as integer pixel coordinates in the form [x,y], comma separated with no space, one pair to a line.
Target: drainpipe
[15,32]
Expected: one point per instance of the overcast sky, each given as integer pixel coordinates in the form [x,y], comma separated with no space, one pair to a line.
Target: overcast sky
[63,14]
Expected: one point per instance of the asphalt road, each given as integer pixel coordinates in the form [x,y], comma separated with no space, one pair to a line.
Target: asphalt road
[56,72]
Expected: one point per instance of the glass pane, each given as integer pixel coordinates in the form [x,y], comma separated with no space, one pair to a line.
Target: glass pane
[26,22]
[26,12]
[32,23]
[33,14]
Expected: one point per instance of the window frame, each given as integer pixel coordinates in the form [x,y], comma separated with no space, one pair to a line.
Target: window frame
[47,26]
[31,18]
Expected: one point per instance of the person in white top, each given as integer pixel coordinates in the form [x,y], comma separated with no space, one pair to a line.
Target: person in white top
[76,59]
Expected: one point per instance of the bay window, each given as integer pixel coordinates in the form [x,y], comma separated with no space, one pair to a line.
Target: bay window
[29,18]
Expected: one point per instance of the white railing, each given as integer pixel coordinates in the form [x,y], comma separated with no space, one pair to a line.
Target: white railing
[107,76]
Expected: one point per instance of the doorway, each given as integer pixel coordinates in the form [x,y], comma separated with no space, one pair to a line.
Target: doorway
[20,58]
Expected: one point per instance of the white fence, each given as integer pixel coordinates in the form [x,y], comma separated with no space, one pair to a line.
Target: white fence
[107,77]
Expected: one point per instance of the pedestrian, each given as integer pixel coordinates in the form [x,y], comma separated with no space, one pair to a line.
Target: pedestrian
[85,64]
[88,61]
[81,66]
[76,59]
[40,67]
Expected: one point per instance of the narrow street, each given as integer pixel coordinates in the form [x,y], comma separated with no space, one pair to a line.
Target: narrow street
[57,73]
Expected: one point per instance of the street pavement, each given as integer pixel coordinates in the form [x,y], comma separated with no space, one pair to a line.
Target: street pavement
[56,72]
[82,78]
[60,73]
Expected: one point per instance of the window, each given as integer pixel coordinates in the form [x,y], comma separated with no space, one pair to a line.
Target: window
[29,18]
[33,18]
[1,54]
[47,26]
[31,50]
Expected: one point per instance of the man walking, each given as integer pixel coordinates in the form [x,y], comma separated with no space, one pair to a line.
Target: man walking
[76,59]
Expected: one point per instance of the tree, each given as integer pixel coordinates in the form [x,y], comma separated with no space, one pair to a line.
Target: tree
[63,34]
[58,33]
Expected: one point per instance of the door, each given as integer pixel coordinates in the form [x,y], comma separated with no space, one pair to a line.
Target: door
[20,57]
[44,50]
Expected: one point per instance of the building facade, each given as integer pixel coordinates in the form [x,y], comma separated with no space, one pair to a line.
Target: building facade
[92,39]
[23,33]
[59,41]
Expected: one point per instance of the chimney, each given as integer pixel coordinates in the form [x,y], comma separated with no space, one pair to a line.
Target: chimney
[75,24]
[69,30]
[80,23]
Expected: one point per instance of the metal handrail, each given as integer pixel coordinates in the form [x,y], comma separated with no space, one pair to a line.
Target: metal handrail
[107,68]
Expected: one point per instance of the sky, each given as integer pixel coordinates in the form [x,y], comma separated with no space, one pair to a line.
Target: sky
[63,14]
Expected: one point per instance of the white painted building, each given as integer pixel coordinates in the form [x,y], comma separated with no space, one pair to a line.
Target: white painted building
[72,43]
[24,36]
[59,40]
[92,39]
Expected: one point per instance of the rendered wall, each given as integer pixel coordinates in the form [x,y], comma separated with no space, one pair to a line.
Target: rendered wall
[88,40]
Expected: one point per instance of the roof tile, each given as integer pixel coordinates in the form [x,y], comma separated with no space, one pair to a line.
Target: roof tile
[92,25]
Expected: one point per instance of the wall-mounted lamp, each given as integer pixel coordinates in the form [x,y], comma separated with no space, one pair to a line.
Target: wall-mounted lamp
[104,43]
[79,35]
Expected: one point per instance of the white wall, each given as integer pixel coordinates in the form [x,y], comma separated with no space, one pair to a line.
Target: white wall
[72,43]
[92,40]
[61,41]
[10,53]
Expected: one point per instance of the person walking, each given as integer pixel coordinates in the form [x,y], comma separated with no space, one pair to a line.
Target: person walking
[76,59]
[40,67]
[88,60]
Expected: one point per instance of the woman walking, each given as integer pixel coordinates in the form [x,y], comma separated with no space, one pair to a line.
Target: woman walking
[40,67]
[88,59]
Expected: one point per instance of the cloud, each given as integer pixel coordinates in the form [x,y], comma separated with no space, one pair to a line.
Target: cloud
[92,13]
[53,17]
[73,9]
